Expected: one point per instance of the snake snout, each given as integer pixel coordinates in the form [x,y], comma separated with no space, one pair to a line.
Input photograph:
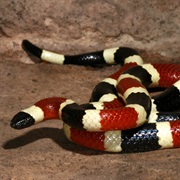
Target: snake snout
[22,120]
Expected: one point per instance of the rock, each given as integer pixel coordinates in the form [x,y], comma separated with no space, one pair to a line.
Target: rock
[77,26]
[72,27]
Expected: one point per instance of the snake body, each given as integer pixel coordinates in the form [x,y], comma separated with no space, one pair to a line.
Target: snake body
[121,115]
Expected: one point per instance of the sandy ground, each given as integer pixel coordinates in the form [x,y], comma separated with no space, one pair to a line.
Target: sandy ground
[43,152]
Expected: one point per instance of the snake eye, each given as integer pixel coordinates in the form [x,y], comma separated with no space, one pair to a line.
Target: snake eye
[22,120]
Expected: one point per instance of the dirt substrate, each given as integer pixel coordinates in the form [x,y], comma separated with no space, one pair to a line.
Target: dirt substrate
[43,152]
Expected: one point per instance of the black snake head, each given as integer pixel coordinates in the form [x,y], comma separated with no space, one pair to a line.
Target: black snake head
[22,120]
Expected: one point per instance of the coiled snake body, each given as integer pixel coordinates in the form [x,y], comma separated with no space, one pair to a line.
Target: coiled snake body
[121,115]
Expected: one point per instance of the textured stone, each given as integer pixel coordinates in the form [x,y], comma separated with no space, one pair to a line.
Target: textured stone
[77,26]
[71,27]
[43,152]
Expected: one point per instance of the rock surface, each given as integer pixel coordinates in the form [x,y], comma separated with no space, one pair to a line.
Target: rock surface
[77,26]
[72,27]
[43,152]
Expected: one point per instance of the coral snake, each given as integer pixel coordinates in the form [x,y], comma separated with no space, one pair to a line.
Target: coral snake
[121,115]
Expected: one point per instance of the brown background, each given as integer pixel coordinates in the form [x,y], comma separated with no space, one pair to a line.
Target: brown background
[72,27]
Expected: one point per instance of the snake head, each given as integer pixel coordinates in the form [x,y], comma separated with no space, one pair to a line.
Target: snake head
[22,120]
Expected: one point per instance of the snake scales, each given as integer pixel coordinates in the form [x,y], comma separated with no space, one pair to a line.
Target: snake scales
[121,115]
